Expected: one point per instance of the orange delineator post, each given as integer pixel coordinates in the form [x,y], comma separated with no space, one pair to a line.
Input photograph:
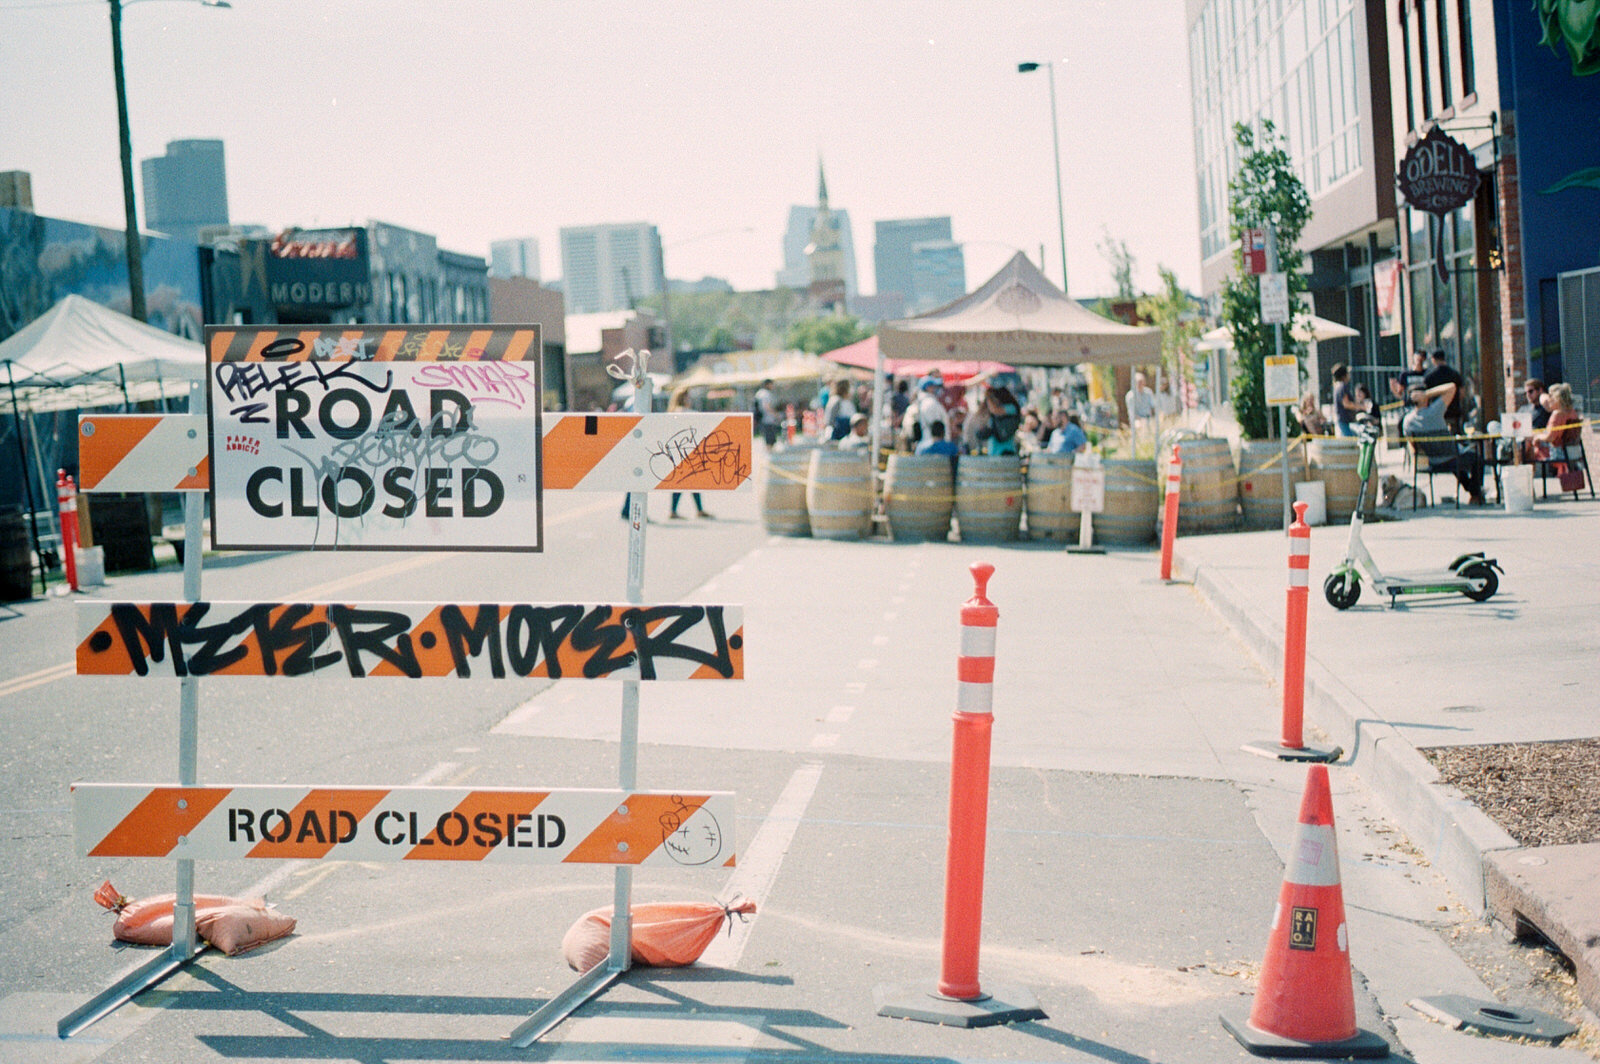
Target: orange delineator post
[1294,631]
[67,496]
[969,793]
[1169,517]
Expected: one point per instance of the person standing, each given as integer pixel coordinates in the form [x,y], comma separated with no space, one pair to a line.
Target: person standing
[766,414]
[1401,385]
[837,414]
[1345,407]
[1141,407]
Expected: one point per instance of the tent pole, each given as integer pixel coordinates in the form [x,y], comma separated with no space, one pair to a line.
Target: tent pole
[27,479]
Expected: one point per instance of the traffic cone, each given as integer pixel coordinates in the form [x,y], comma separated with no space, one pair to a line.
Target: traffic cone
[1305,1003]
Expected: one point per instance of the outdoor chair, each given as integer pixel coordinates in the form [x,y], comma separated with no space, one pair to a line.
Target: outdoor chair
[1573,455]
[1422,466]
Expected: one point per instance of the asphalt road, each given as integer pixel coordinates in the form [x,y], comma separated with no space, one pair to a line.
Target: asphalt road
[1134,853]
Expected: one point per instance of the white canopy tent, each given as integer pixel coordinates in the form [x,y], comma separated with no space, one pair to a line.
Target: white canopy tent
[81,354]
[1019,317]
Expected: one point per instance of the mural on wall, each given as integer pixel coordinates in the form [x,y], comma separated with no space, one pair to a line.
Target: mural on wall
[43,260]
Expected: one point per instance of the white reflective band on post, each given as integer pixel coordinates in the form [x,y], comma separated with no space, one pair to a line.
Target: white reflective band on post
[1315,861]
[1299,578]
[977,642]
[974,697]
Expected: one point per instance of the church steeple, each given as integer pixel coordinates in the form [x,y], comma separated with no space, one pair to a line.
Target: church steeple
[825,255]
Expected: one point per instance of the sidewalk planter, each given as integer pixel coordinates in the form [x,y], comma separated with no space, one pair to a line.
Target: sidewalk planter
[918,496]
[989,498]
[783,496]
[839,494]
[1261,480]
[1047,497]
[1208,493]
[1335,463]
[1133,499]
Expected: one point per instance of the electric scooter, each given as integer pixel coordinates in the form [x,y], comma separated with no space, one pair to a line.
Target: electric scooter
[1473,575]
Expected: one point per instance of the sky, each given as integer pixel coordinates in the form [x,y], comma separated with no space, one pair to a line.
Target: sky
[478,120]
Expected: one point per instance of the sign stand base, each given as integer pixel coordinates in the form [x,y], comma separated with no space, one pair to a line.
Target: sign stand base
[122,991]
[1086,537]
[1002,1004]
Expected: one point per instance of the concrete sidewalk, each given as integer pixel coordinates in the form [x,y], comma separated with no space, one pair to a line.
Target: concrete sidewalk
[1437,671]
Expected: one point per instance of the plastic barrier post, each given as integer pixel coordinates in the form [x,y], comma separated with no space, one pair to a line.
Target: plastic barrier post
[67,495]
[958,1000]
[1169,517]
[1292,747]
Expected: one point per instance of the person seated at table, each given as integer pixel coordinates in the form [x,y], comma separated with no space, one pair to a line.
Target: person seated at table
[1537,409]
[1068,437]
[1364,403]
[1425,425]
[1562,428]
[859,437]
[1310,414]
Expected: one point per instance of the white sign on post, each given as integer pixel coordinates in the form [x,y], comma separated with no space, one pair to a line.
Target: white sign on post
[1088,488]
[1274,299]
[375,437]
[1281,378]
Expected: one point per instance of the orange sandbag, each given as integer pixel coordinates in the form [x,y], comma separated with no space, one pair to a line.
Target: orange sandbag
[236,928]
[148,921]
[665,934]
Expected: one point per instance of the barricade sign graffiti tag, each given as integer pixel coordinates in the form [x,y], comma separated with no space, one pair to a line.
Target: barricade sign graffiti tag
[381,437]
[647,452]
[505,826]
[411,639]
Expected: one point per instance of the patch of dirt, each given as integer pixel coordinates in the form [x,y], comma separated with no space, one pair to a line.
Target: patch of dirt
[1543,794]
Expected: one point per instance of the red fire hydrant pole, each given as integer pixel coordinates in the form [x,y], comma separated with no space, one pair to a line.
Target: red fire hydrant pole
[67,495]
[969,793]
[1294,629]
[1169,517]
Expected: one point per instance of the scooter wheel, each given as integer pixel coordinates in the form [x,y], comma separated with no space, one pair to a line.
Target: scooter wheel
[1480,571]
[1342,589]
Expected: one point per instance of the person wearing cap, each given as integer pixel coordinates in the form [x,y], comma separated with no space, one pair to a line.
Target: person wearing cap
[859,437]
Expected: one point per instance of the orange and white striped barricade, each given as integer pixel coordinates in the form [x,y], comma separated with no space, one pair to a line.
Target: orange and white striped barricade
[1292,746]
[957,999]
[492,825]
[1305,999]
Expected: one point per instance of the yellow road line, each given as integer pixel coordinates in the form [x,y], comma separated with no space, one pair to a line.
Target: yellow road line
[62,671]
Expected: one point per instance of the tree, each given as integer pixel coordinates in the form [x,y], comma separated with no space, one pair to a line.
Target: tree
[818,335]
[1116,253]
[1264,191]
[1172,310]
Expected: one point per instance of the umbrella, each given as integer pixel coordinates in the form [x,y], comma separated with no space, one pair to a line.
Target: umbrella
[1307,328]
[864,355]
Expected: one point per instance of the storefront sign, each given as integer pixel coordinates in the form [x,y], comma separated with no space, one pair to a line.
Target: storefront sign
[375,437]
[1438,174]
[1254,249]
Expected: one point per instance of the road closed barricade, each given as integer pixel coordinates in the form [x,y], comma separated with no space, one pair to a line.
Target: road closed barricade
[392,437]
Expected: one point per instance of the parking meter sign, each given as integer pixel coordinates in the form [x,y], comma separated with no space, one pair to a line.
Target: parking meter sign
[1274,299]
[1281,380]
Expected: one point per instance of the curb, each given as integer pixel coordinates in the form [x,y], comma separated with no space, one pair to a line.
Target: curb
[1451,832]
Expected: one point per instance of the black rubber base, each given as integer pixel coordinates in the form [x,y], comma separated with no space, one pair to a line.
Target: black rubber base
[1363,1046]
[919,1002]
[1277,751]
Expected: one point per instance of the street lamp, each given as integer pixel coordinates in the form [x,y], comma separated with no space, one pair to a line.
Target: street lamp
[1055,134]
[130,214]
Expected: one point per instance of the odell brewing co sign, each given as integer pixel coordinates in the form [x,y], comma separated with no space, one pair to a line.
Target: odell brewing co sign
[1438,174]
[375,437]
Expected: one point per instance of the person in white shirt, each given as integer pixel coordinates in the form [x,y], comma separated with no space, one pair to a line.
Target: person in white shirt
[1141,407]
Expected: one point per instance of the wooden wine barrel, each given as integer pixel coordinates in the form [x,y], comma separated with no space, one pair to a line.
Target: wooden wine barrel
[918,496]
[1208,492]
[839,494]
[1133,499]
[1336,463]
[1048,498]
[783,496]
[989,498]
[1261,480]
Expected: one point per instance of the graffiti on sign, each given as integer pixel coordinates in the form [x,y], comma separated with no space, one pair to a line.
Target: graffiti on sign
[499,641]
[572,826]
[375,437]
[647,452]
